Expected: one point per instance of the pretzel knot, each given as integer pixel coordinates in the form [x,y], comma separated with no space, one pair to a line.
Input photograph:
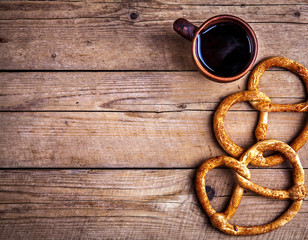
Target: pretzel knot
[296,193]
[286,63]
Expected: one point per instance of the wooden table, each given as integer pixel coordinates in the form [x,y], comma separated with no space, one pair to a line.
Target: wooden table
[105,119]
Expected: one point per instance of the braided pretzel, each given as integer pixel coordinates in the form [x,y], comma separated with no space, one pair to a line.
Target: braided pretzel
[220,220]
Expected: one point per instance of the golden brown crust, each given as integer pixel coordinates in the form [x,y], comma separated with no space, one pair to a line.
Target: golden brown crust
[224,140]
[263,103]
[218,122]
[286,63]
[296,192]
[220,220]
[261,129]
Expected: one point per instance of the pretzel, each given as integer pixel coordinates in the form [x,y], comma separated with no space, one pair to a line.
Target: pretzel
[264,105]
[263,102]
[220,220]
[253,83]
[218,123]
[254,155]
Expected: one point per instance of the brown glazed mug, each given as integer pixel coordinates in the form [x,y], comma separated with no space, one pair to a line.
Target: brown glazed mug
[224,47]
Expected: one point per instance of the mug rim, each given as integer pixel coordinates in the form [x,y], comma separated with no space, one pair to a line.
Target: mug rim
[249,31]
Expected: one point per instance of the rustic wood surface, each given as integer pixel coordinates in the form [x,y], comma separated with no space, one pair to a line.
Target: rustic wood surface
[138,204]
[105,119]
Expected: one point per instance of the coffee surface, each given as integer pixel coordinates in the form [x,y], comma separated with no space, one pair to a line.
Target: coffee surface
[224,49]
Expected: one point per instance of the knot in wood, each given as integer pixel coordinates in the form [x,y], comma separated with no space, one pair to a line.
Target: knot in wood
[134,15]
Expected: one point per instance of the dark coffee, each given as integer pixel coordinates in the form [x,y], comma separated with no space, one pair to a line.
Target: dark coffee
[224,49]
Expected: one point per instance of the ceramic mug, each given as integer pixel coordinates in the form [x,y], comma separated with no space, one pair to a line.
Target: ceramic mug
[224,47]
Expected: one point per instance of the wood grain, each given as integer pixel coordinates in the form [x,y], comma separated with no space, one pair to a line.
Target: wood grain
[86,85]
[135,204]
[113,41]
[252,11]
[129,139]
[133,91]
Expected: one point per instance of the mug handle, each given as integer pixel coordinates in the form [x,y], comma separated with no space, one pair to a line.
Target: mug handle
[185,28]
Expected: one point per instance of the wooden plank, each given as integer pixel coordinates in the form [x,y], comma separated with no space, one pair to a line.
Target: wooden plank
[132,203]
[252,11]
[236,2]
[133,91]
[129,139]
[132,119]
[117,43]
[188,2]
[23,4]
